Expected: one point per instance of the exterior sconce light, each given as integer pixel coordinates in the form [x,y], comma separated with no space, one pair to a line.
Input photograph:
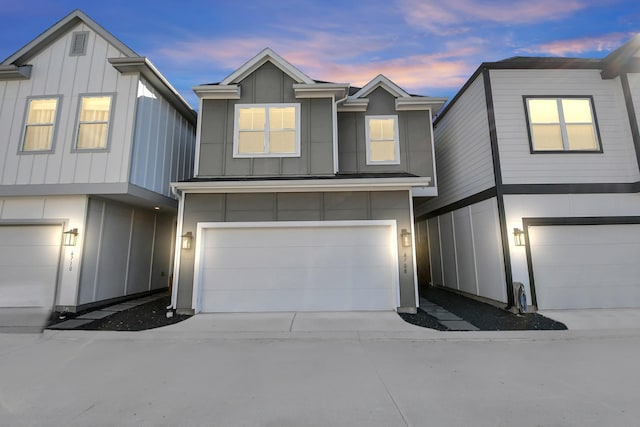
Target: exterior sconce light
[518,237]
[405,237]
[70,237]
[187,239]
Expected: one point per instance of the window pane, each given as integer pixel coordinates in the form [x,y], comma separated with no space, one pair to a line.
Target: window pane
[543,111]
[577,110]
[546,137]
[95,109]
[37,138]
[282,142]
[381,129]
[581,137]
[383,151]
[251,118]
[250,142]
[92,136]
[282,118]
[42,111]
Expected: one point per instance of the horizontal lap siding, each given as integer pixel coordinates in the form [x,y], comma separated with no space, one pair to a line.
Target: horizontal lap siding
[617,163]
[463,150]
[634,85]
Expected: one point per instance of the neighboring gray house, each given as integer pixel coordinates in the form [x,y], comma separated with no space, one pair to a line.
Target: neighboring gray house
[302,195]
[545,151]
[91,134]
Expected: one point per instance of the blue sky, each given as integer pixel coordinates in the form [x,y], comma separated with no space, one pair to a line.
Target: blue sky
[427,47]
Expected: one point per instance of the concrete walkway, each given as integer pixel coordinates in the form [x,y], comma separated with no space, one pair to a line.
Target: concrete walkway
[596,319]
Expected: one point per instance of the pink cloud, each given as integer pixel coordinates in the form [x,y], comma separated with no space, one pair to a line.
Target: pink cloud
[577,46]
[457,16]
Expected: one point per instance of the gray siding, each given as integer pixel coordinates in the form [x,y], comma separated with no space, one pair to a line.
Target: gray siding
[463,150]
[267,84]
[387,205]
[163,143]
[127,251]
[414,132]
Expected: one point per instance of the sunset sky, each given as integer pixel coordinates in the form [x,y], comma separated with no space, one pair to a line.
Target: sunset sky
[427,47]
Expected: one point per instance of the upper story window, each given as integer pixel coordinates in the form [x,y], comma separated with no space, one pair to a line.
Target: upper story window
[267,130]
[93,122]
[383,144]
[562,124]
[40,124]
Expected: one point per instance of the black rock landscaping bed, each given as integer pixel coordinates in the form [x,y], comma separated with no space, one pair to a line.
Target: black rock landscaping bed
[146,316]
[484,316]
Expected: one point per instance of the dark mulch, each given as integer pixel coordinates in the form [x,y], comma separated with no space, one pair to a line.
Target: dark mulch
[484,316]
[423,319]
[146,316]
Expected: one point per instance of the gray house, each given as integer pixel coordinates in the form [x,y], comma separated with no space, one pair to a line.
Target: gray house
[539,183]
[91,135]
[302,196]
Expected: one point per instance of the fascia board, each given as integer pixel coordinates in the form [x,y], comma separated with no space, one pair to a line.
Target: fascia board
[259,60]
[297,186]
[419,103]
[385,83]
[320,90]
[217,91]
[13,72]
[353,105]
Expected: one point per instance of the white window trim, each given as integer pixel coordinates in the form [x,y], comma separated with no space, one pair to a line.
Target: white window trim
[54,125]
[563,125]
[236,130]
[75,148]
[395,136]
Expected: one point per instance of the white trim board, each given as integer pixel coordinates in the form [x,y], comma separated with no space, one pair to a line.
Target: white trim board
[198,264]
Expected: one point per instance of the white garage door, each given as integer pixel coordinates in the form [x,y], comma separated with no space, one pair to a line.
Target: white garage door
[297,268]
[586,266]
[29,257]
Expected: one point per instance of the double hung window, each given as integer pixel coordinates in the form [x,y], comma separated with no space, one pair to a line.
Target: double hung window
[40,124]
[267,130]
[383,146]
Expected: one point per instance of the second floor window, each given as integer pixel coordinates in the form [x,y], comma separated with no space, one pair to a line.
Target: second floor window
[93,122]
[267,130]
[562,124]
[40,124]
[383,147]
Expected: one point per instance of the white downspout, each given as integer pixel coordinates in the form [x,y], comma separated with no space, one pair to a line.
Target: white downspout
[178,248]
[336,165]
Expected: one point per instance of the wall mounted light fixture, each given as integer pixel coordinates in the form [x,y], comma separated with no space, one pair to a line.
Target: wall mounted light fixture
[518,237]
[187,240]
[70,237]
[405,237]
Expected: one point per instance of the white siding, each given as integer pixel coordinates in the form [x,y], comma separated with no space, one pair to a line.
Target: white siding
[617,163]
[66,210]
[470,243]
[54,72]
[634,85]
[163,144]
[463,150]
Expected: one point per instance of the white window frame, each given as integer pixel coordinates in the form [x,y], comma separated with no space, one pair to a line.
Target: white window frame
[108,122]
[562,124]
[395,136]
[236,131]
[53,125]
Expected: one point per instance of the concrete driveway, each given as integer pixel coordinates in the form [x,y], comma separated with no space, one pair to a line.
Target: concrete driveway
[357,369]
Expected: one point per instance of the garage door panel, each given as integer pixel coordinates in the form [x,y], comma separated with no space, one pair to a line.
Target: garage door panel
[291,256]
[23,256]
[288,268]
[586,266]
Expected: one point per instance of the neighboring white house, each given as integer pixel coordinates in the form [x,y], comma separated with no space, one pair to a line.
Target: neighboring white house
[91,134]
[545,150]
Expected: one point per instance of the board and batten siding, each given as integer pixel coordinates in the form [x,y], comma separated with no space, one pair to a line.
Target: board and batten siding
[466,250]
[54,72]
[317,206]
[414,132]
[617,162]
[163,142]
[268,84]
[463,150]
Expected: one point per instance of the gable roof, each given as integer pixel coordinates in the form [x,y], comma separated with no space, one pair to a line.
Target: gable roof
[621,58]
[267,55]
[383,82]
[50,35]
